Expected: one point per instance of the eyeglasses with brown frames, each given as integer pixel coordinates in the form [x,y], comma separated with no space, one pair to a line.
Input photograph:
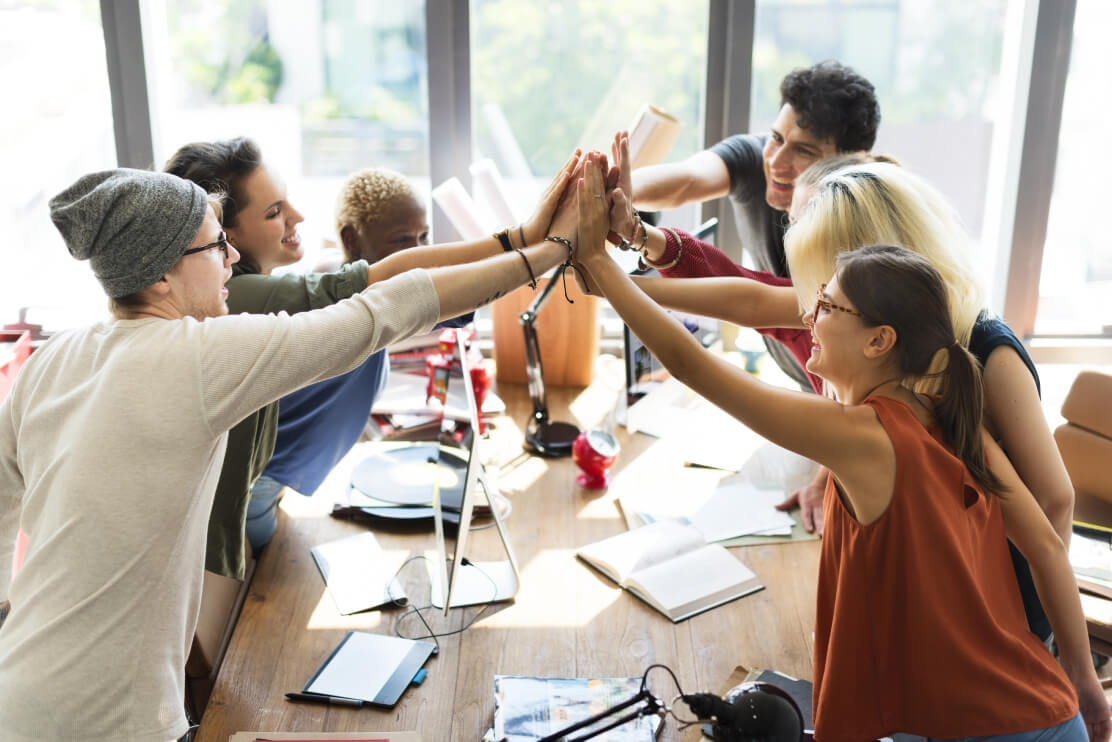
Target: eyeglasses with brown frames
[823,303]
[222,243]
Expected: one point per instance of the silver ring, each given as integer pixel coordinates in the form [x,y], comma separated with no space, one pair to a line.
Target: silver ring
[598,196]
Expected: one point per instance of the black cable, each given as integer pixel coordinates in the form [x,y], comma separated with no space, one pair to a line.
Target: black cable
[417,610]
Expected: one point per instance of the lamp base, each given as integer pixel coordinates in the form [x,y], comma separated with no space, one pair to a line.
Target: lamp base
[551,439]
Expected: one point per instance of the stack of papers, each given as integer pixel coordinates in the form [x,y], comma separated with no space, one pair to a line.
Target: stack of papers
[735,508]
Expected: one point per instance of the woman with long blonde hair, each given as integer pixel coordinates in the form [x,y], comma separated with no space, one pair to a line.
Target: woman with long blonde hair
[918,627]
[837,211]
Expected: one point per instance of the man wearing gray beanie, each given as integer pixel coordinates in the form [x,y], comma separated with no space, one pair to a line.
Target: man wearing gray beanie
[112,436]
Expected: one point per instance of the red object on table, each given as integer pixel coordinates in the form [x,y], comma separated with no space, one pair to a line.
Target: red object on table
[594,451]
[439,368]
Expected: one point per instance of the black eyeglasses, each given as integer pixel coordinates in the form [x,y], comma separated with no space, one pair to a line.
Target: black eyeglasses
[222,243]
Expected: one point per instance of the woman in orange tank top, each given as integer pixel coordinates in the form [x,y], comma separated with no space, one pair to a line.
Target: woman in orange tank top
[927,635]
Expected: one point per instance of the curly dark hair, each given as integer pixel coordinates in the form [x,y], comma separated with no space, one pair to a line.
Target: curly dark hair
[220,167]
[831,100]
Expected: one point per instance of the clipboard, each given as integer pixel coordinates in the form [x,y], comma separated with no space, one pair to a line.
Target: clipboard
[374,668]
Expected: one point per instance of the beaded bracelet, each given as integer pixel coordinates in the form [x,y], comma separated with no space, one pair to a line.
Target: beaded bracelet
[565,242]
[644,233]
[644,261]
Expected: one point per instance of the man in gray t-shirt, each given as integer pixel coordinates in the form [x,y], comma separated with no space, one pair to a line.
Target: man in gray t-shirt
[827,109]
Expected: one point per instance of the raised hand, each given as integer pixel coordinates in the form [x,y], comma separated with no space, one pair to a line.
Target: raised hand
[594,208]
[537,225]
[620,184]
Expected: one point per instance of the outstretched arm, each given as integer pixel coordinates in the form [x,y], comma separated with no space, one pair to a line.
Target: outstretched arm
[533,231]
[1014,413]
[739,300]
[832,433]
[701,177]
[1032,534]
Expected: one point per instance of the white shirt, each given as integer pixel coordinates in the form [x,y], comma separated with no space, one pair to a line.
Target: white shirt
[111,442]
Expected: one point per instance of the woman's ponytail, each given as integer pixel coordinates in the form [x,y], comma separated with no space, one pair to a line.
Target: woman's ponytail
[959,411]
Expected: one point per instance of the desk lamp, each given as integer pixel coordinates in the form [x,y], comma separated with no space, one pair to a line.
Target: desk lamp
[545,437]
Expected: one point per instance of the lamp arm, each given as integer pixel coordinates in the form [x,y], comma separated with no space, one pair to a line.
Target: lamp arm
[533,367]
[650,705]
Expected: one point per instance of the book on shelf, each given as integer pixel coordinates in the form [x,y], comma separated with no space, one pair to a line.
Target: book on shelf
[670,566]
[530,708]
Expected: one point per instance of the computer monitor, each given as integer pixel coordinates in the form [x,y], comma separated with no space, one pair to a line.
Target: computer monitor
[468,582]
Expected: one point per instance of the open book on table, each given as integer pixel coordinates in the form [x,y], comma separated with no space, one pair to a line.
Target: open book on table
[670,566]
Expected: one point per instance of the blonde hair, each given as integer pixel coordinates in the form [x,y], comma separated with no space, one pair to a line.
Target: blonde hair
[830,165]
[882,203]
[368,194]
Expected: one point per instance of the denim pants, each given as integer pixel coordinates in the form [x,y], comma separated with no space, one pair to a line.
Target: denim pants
[1072,730]
[262,511]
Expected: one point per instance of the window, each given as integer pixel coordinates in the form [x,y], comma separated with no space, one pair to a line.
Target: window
[1076,278]
[935,65]
[547,77]
[57,127]
[326,87]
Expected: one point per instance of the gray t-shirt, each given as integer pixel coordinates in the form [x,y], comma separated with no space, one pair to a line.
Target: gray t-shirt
[760,227]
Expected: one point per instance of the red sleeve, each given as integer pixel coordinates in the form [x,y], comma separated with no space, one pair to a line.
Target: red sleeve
[703,260]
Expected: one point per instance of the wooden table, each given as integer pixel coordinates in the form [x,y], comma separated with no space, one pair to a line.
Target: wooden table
[567,620]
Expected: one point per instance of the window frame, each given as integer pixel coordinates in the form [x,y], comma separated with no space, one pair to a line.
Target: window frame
[1026,169]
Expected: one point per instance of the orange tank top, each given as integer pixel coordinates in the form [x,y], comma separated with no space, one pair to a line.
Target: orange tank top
[919,625]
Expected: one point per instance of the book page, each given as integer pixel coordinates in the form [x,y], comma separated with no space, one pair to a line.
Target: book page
[622,555]
[693,582]
[359,574]
[737,508]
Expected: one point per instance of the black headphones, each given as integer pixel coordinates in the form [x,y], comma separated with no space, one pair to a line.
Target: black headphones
[750,712]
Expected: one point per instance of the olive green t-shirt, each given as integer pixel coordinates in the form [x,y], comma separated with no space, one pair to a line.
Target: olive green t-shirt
[251,441]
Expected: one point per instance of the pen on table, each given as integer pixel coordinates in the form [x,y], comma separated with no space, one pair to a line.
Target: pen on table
[330,700]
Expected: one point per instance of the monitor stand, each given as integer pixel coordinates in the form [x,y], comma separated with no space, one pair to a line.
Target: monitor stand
[477,583]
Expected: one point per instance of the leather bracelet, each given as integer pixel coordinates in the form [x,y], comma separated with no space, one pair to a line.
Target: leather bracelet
[644,261]
[532,276]
[565,242]
[521,232]
[503,238]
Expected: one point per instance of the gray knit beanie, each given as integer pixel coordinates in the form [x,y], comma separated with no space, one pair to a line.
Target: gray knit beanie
[131,225]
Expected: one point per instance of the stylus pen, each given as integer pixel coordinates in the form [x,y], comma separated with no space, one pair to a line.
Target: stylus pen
[330,700]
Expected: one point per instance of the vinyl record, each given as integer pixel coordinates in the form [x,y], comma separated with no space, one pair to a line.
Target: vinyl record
[404,475]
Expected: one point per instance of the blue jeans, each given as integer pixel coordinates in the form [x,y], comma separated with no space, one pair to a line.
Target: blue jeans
[1068,731]
[262,512]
